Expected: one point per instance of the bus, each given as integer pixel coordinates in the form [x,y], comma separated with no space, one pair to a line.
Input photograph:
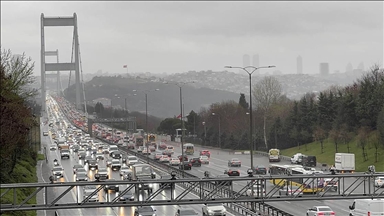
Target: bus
[189,148]
[152,138]
[274,155]
[307,185]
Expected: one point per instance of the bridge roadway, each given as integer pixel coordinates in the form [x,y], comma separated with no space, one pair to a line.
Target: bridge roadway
[77,194]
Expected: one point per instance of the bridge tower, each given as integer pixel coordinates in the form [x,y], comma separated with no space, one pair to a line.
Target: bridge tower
[58,87]
[72,66]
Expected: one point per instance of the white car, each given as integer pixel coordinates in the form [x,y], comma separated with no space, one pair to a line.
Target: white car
[320,210]
[53,147]
[131,160]
[124,169]
[214,209]
[164,159]
[204,159]
[174,162]
[258,191]
[379,181]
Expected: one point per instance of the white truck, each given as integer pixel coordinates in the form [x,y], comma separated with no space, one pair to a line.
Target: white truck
[344,162]
[363,207]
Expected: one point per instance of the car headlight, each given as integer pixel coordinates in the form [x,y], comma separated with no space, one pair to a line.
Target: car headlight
[86,179]
[77,179]
[210,211]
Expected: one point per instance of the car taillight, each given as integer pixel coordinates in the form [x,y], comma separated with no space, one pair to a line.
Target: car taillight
[333,213]
[190,164]
[320,213]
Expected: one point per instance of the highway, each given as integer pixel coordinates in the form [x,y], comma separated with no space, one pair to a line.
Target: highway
[76,195]
[218,164]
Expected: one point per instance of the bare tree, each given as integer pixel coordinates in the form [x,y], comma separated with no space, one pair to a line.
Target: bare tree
[363,134]
[336,137]
[266,93]
[320,134]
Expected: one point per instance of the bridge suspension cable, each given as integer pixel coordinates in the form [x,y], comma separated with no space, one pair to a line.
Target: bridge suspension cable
[70,72]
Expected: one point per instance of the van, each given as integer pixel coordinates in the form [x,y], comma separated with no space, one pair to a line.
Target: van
[371,207]
[297,158]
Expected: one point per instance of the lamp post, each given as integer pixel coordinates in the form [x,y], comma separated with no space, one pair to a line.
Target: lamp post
[250,70]
[112,117]
[180,85]
[146,118]
[214,114]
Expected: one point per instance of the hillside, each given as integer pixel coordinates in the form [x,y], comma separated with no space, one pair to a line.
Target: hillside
[163,103]
[328,156]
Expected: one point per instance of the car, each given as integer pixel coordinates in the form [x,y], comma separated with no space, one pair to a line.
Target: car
[167,177]
[129,196]
[162,146]
[258,191]
[115,165]
[232,172]
[186,212]
[152,148]
[125,170]
[75,148]
[99,156]
[187,165]
[214,209]
[131,160]
[145,211]
[81,177]
[88,158]
[82,155]
[158,156]
[174,161]
[164,159]
[290,191]
[105,150]
[320,210]
[140,149]
[379,181]
[146,151]
[206,153]
[195,161]
[234,162]
[45,133]
[204,159]
[260,169]
[80,170]
[168,152]
[115,155]
[76,167]
[181,157]
[112,187]
[102,173]
[58,171]
[53,147]
[92,164]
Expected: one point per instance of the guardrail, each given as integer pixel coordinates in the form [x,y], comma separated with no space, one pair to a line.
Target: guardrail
[236,208]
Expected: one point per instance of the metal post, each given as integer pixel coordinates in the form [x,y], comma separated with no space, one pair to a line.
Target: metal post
[250,116]
[182,131]
[219,134]
[146,123]
[126,116]
[194,126]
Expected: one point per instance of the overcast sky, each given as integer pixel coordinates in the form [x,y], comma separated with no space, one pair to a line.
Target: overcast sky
[175,37]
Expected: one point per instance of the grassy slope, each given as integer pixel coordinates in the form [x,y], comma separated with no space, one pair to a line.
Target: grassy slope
[328,156]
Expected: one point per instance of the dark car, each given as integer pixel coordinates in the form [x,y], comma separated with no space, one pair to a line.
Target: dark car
[87,159]
[92,164]
[261,170]
[195,161]
[145,211]
[309,161]
[180,157]
[186,212]
[77,166]
[82,155]
[115,155]
[187,165]
[231,172]
[111,186]
[75,148]
[167,177]
[129,196]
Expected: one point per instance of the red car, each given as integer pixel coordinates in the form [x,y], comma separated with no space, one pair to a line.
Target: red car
[232,172]
[180,157]
[205,152]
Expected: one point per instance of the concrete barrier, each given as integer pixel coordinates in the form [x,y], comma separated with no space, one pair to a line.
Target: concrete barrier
[246,152]
[238,153]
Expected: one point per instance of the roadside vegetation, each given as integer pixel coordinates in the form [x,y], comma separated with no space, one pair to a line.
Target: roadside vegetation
[20,133]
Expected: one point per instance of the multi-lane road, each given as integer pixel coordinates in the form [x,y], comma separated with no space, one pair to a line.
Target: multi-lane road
[218,163]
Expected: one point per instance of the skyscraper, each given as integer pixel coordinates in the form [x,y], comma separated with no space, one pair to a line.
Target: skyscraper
[324,69]
[246,60]
[361,66]
[255,60]
[299,64]
[349,67]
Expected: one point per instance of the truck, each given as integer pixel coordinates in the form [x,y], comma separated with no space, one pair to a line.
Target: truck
[274,155]
[372,207]
[344,162]
[143,172]
[139,141]
[64,151]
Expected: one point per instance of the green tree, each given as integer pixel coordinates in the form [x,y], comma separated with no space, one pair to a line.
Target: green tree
[99,108]
[243,102]
[192,121]
[169,126]
[380,125]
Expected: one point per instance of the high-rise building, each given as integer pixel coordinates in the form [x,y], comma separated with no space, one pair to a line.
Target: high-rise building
[255,60]
[361,66]
[299,64]
[349,67]
[246,60]
[324,68]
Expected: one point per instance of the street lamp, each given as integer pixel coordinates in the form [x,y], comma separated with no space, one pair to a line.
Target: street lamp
[214,114]
[205,132]
[146,116]
[180,85]
[250,70]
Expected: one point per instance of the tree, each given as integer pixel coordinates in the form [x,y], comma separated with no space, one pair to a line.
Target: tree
[380,126]
[363,133]
[99,108]
[169,126]
[335,136]
[266,93]
[192,120]
[242,102]
[320,135]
